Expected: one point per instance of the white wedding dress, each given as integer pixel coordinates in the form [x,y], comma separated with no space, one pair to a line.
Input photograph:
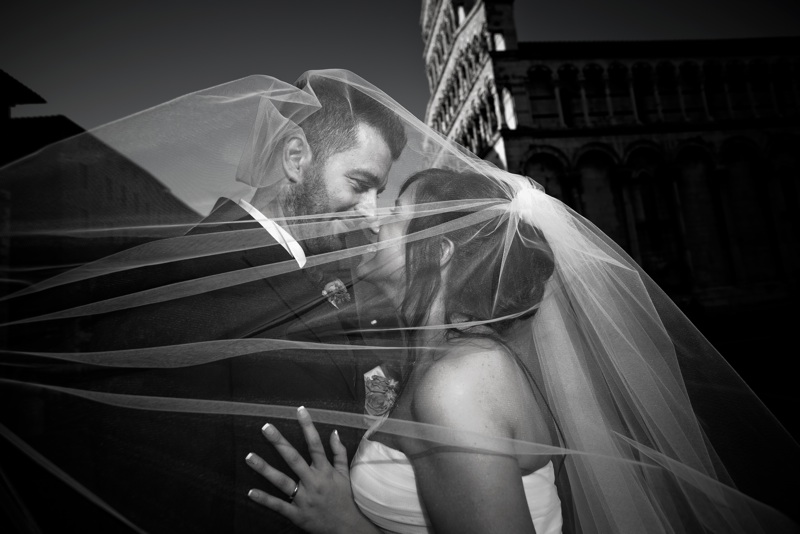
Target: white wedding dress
[385,489]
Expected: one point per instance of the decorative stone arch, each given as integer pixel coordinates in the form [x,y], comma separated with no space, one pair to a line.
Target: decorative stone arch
[597,187]
[548,150]
[745,182]
[651,214]
[707,244]
[735,147]
[596,147]
[695,149]
[783,154]
[642,144]
[548,167]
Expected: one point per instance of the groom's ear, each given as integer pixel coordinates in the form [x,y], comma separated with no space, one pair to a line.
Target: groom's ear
[447,251]
[296,157]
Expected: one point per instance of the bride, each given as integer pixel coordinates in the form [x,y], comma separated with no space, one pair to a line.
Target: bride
[523,321]
[537,379]
[467,379]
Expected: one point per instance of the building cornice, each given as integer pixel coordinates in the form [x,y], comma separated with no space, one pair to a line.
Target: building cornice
[622,50]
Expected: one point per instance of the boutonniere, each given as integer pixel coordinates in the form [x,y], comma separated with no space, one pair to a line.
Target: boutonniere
[336,293]
[381,392]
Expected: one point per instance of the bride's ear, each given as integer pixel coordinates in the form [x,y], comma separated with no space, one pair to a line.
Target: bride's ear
[296,157]
[447,251]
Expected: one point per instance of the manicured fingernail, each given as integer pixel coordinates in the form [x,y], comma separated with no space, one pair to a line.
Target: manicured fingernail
[268,430]
[337,435]
[251,494]
[249,458]
[302,411]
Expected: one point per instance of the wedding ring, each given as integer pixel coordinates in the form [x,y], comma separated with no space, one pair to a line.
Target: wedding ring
[296,488]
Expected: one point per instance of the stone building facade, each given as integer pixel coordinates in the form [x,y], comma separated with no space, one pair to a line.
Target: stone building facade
[684,152]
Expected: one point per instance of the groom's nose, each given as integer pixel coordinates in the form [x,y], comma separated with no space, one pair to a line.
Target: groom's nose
[367,208]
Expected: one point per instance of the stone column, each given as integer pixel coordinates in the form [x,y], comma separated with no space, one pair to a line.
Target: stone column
[774,95]
[751,97]
[609,103]
[584,100]
[704,95]
[498,109]
[557,91]
[728,97]
[657,95]
[681,99]
[632,93]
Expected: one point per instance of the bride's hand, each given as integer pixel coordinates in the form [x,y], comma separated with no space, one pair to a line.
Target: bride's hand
[322,501]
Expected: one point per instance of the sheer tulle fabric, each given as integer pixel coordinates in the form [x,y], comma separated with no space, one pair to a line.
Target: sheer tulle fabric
[658,433]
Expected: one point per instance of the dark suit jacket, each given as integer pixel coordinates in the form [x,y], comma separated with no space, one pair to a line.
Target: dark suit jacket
[182,472]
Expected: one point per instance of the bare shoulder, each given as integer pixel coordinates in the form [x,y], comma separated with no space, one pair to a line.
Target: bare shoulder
[471,385]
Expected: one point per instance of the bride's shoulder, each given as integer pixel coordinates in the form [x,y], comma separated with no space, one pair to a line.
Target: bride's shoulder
[468,377]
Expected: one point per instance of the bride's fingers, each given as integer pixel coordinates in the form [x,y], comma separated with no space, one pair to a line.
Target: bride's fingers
[315,448]
[339,454]
[287,452]
[273,476]
[273,503]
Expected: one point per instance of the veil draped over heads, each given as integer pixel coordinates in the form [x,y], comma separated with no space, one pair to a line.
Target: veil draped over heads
[656,432]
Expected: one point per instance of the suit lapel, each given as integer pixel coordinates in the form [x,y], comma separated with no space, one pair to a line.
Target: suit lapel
[309,316]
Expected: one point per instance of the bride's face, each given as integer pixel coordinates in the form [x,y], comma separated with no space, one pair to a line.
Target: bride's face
[386,267]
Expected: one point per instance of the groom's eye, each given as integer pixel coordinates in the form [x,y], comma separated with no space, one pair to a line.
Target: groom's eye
[360,187]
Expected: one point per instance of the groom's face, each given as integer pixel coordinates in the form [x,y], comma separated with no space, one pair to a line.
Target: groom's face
[346,185]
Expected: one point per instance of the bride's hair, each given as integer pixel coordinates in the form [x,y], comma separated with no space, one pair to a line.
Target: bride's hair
[489,278]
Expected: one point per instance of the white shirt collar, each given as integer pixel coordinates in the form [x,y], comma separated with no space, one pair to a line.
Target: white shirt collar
[278,234]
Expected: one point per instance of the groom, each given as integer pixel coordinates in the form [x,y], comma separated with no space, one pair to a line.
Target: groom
[336,163]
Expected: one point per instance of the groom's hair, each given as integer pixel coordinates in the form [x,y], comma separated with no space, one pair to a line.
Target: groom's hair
[334,127]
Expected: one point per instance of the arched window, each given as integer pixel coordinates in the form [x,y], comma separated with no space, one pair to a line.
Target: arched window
[691,90]
[667,84]
[549,172]
[499,42]
[782,72]
[570,93]
[508,109]
[645,101]
[715,91]
[651,219]
[544,105]
[705,237]
[597,194]
[736,79]
[760,86]
[619,91]
[595,88]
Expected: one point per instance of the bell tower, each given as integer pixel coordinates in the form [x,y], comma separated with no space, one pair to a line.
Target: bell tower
[460,37]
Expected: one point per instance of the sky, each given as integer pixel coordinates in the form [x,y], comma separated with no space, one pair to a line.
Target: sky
[98,61]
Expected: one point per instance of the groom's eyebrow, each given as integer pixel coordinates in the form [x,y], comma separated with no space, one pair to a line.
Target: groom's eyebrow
[370,178]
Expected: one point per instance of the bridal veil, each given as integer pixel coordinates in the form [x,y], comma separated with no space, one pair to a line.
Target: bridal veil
[658,433]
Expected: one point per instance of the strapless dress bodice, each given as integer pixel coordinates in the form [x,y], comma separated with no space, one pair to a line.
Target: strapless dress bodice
[385,490]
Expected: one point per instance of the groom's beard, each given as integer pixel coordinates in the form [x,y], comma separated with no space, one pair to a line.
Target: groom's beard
[310,197]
